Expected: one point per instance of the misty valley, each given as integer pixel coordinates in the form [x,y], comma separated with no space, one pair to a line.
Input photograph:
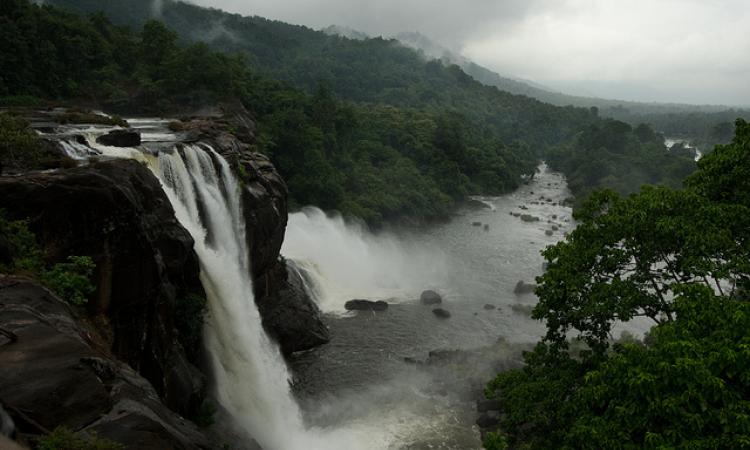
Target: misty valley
[225,231]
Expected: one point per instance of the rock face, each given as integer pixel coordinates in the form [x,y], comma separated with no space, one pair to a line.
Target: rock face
[289,314]
[120,138]
[366,305]
[116,213]
[430,298]
[53,375]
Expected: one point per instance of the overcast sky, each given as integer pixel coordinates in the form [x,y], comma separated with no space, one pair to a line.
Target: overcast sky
[693,51]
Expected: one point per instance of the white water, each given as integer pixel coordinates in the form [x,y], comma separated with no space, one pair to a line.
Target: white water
[347,261]
[250,377]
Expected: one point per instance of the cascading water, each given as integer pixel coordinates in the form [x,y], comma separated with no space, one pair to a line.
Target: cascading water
[249,374]
[345,261]
[250,378]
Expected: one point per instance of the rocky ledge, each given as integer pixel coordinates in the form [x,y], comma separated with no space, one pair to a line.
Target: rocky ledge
[54,374]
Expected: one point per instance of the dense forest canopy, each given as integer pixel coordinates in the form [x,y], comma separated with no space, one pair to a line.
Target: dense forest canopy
[367,127]
[680,258]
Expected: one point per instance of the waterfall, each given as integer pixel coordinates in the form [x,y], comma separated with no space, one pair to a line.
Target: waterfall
[342,260]
[251,380]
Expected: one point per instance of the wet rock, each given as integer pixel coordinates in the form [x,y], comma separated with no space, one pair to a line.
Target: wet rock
[476,204]
[289,315]
[120,138]
[525,310]
[488,405]
[476,224]
[488,419]
[489,307]
[365,305]
[429,297]
[7,426]
[486,227]
[548,232]
[524,288]
[555,228]
[529,218]
[52,376]
[441,313]
[117,213]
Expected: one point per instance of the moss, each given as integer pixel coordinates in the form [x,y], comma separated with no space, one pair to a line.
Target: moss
[62,438]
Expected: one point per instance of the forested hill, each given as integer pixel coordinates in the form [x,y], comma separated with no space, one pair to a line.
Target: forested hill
[366,127]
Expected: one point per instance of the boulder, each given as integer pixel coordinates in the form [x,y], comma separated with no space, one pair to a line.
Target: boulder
[489,307]
[488,405]
[117,213]
[476,224]
[51,375]
[524,288]
[441,313]
[529,218]
[476,204]
[488,419]
[548,232]
[365,305]
[120,138]
[429,297]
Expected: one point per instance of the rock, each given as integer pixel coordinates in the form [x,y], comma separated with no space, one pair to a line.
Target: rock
[120,138]
[525,310]
[488,419]
[117,213]
[476,204]
[476,224]
[429,297]
[365,305]
[555,228]
[52,376]
[548,232]
[289,315]
[489,307]
[441,313]
[486,227]
[529,218]
[554,216]
[488,405]
[7,426]
[524,288]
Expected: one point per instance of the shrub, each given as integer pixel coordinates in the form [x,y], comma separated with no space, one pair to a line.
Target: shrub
[19,145]
[72,280]
[63,438]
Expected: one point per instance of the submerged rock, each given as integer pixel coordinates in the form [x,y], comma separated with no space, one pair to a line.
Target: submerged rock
[489,307]
[365,305]
[524,288]
[525,310]
[441,313]
[548,232]
[120,138]
[430,297]
[477,224]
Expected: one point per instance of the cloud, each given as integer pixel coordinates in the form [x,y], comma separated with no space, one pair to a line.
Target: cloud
[662,50]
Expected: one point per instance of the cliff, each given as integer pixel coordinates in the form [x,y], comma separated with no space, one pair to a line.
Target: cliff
[146,270]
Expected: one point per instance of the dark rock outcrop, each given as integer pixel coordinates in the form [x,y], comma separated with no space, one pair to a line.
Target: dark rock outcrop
[441,313]
[116,213]
[523,288]
[365,305]
[120,138]
[429,297]
[289,314]
[53,375]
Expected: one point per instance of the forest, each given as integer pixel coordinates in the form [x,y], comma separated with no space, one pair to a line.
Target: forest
[350,102]
[678,258]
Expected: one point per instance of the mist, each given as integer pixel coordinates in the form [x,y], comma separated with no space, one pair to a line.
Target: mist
[671,51]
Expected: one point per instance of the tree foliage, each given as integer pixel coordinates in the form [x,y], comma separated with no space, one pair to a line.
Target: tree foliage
[680,257]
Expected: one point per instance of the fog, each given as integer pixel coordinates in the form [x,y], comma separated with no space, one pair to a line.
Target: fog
[689,51]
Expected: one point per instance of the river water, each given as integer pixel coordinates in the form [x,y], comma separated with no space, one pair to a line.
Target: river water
[370,374]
